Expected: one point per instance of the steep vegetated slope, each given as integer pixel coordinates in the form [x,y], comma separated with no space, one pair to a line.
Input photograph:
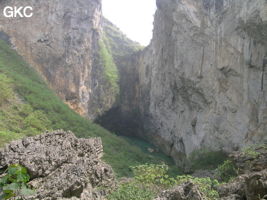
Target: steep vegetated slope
[28,107]
[201,84]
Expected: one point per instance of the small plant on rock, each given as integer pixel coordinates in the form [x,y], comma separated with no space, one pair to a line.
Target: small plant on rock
[14,183]
[251,152]
[206,185]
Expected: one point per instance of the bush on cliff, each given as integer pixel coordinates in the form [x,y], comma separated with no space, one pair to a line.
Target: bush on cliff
[149,180]
[226,171]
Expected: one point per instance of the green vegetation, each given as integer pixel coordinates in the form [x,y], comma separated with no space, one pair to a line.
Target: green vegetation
[5,89]
[251,152]
[149,180]
[14,183]
[156,175]
[144,146]
[18,118]
[131,191]
[153,175]
[226,171]
[206,185]
[30,107]
[110,68]
[118,43]
[205,159]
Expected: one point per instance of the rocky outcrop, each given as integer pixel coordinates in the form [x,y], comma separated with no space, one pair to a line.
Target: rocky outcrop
[61,41]
[250,186]
[61,166]
[253,159]
[252,180]
[187,191]
[202,81]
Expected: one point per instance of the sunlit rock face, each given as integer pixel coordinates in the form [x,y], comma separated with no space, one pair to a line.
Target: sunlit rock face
[61,42]
[202,82]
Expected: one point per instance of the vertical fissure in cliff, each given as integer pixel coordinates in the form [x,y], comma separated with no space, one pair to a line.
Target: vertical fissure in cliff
[264,65]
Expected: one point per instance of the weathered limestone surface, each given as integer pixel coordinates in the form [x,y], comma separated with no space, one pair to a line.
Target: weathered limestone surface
[61,42]
[186,191]
[202,81]
[61,166]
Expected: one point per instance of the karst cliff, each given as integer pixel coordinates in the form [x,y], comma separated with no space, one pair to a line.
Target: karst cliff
[200,84]
[61,41]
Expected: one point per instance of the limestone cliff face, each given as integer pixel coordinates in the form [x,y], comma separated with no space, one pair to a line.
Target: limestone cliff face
[61,42]
[202,82]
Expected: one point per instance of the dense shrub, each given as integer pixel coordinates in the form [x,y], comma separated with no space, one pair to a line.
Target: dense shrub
[153,175]
[131,191]
[226,171]
[149,180]
[206,185]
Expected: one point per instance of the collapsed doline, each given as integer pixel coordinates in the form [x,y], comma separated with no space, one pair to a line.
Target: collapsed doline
[200,84]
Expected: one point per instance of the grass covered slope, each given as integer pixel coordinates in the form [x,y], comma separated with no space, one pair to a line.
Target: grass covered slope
[28,107]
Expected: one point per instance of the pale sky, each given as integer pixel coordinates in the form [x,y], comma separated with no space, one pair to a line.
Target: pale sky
[134,17]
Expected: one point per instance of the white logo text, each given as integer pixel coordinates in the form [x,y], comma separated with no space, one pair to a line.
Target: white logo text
[12,12]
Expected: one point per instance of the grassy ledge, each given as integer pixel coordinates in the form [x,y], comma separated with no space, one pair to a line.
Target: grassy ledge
[110,69]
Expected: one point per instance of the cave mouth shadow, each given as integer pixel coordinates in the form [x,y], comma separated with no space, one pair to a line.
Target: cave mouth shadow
[121,124]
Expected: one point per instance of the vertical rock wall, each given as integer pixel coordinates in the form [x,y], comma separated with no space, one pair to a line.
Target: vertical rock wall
[202,82]
[61,42]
